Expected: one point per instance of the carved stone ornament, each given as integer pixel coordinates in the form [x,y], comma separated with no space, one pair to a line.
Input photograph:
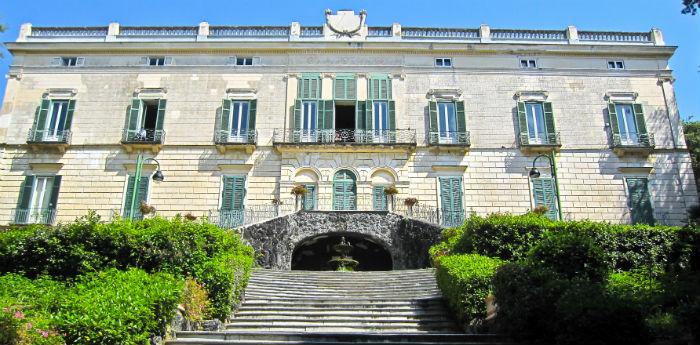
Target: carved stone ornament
[345,23]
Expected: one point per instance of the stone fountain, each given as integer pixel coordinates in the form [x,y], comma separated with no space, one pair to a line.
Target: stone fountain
[343,262]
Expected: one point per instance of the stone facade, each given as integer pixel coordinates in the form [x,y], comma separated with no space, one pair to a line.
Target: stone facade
[484,74]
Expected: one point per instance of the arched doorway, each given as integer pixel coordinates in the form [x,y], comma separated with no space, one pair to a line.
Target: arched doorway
[344,191]
[313,253]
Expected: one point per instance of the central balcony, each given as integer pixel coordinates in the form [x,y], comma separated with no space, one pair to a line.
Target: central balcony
[59,139]
[540,143]
[634,143]
[133,139]
[34,216]
[345,139]
[243,140]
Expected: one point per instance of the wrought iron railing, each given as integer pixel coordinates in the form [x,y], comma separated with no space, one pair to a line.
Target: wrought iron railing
[345,136]
[311,31]
[379,31]
[49,136]
[528,35]
[158,31]
[232,138]
[543,139]
[34,216]
[69,32]
[145,136]
[249,31]
[616,37]
[449,138]
[634,140]
[441,33]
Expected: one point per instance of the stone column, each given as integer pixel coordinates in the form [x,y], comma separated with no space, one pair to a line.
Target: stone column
[572,34]
[485,33]
[112,32]
[203,31]
[657,37]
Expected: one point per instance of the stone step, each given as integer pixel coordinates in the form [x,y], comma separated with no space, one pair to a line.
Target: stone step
[275,317]
[232,337]
[282,313]
[349,287]
[348,296]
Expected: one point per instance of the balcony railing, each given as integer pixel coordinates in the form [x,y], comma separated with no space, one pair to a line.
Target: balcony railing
[379,31]
[527,35]
[249,31]
[634,140]
[48,136]
[34,216]
[449,138]
[440,33]
[311,31]
[546,139]
[345,136]
[222,137]
[143,136]
[163,31]
[615,37]
[69,32]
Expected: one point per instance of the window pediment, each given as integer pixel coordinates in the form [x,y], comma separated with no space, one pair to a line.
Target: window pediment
[445,94]
[241,93]
[531,96]
[150,92]
[621,96]
[60,93]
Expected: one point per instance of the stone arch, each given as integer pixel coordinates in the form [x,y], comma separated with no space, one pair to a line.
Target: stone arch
[383,176]
[349,168]
[315,252]
[307,175]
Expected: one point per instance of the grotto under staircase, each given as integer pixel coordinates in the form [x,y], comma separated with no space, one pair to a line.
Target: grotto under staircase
[327,307]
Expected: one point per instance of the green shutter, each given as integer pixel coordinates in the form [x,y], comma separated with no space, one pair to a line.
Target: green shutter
[433,136]
[379,87]
[128,195]
[379,198]
[544,194]
[640,201]
[369,115]
[233,193]
[43,114]
[252,110]
[639,118]
[461,117]
[134,114]
[25,193]
[451,199]
[344,86]
[69,114]
[297,114]
[522,123]
[344,191]
[392,114]
[225,115]
[309,199]
[309,86]
[327,115]
[549,122]
[360,113]
[612,114]
[161,114]
[56,187]
[143,194]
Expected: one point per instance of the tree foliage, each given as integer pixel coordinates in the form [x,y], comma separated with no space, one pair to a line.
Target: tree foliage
[692,140]
[691,6]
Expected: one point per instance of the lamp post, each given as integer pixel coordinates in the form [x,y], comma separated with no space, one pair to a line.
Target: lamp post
[534,173]
[157,176]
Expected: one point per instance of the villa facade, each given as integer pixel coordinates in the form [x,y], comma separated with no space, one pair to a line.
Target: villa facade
[236,117]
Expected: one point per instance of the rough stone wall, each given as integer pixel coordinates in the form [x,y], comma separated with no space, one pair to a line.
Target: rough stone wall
[407,240]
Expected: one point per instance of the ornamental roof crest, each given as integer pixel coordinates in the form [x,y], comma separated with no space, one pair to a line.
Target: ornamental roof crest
[345,23]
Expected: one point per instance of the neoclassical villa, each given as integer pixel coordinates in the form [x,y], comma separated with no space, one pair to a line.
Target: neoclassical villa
[225,122]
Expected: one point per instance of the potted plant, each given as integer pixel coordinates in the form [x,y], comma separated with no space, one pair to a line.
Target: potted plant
[409,202]
[390,191]
[146,209]
[299,191]
[189,216]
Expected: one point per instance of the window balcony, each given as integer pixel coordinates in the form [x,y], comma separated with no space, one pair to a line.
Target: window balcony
[545,142]
[143,138]
[34,216]
[449,139]
[633,143]
[245,140]
[38,139]
[346,139]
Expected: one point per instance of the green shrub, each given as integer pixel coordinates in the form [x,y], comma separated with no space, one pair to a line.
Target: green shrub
[118,307]
[526,297]
[465,281]
[195,301]
[586,314]
[640,288]
[179,247]
[570,254]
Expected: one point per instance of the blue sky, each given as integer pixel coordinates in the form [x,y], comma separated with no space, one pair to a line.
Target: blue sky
[623,15]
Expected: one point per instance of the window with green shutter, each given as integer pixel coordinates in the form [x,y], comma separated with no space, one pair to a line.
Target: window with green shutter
[232,212]
[344,86]
[448,123]
[38,198]
[344,191]
[536,123]
[379,87]
[544,194]
[130,198]
[309,86]
[640,200]
[53,121]
[628,125]
[451,207]
[237,121]
[145,121]
[309,199]
[379,198]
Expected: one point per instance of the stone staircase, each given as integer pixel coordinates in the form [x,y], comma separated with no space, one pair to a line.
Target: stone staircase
[305,307]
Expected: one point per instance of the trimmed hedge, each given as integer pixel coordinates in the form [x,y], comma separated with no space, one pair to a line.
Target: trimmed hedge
[182,248]
[111,307]
[465,281]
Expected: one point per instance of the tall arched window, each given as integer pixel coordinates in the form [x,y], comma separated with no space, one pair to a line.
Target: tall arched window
[344,191]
